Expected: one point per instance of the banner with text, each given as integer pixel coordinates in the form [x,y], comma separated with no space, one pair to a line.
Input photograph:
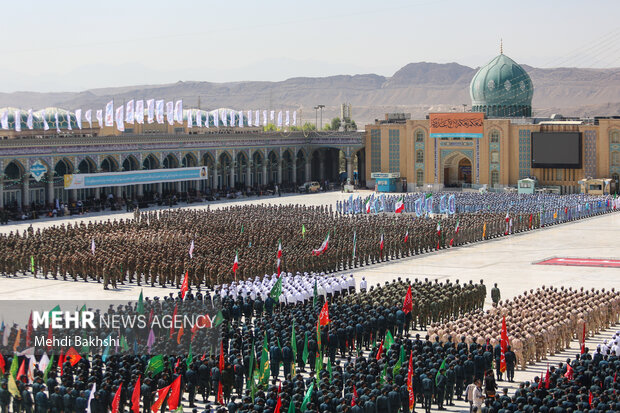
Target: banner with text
[97,180]
[456,125]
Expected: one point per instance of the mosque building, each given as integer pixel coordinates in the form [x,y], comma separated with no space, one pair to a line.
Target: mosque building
[496,144]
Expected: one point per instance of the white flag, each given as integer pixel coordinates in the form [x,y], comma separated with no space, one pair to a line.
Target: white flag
[78,117]
[150,110]
[31,360]
[265,118]
[159,111]
[5,334]
[88,115]
[178,111]
[92,245]
[129,112]
[272,116]
[257,118]
[189,118]
[120,119]
[241,119]
[249,118]
[287,122]
[232,118]
[294,118]
[279,119]
[45,360]
[5,119]
[18,120]
[45,125]
[69,121]
[57,123]
[140,111]
[30,120]
[225,117]
[91,396]
[170,113]
[109,113]
[216,119]
[199,118]
[206,119]
[99,116]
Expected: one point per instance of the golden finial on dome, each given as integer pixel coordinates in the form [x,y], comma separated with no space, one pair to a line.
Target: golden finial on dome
[501,46]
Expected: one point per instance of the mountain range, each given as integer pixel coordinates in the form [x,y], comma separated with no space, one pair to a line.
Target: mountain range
[417,88]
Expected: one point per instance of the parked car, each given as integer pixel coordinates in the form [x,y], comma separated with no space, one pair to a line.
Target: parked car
[310,187]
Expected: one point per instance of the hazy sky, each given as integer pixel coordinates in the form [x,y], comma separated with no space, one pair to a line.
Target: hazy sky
[71,45]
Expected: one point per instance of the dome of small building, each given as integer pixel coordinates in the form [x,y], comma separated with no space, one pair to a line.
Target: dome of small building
[64,117]
[502,88]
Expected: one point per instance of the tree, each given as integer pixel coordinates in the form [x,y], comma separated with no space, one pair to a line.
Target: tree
[306,127]
[335,124]
[270,128]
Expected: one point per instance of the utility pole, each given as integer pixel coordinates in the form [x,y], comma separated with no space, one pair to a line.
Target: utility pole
[321,107]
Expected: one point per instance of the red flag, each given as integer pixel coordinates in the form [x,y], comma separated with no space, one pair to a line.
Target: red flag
[220,394]
[410,382]
[278,404]
[221,364]
[503,345]
[324,315]
[590,398]
[540,382]
[354,398]
[174,316]
[117,399]
[180,334]
[29,331]
[547,378]
[151,316]
[2,364]
[185,285]
[408,304]
[380,352]
[50,337]
[569,372]
[135,397]
[583,339]
[406,237]
[175,393]
[61,361]
[530,223]
[381,243]
[235,264]
[73,356]
[22,370]
[161,396]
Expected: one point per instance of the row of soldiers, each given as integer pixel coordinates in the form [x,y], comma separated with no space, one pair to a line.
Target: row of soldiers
[113,252]
[539,322]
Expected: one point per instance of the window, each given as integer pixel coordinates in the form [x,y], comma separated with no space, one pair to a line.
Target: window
[419,156]
[495,137]
[615,158]
[394,146]
[495,157]
[615,137]
[419,177]
[375,150]
[494,178]
[419,136]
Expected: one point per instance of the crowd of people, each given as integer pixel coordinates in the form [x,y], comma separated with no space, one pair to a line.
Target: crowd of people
[205,243]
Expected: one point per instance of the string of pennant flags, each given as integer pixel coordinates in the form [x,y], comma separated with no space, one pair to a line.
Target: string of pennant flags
[151,111]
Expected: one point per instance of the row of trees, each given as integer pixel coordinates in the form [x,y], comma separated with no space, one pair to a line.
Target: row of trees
[334,125]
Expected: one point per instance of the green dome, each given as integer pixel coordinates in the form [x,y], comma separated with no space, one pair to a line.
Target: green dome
[502,88]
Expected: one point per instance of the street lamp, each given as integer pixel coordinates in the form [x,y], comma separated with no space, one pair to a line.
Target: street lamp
[321,107]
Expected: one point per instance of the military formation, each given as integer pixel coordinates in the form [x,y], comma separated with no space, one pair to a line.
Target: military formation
[539,322]
[113,252]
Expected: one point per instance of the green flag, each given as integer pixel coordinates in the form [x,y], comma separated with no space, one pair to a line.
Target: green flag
[383,373]
[315,297]
[140,307]
[304,355]
[293,341]
[124,345]
[354,242]
[303,231]
[399,363]
[442,367]
[219,318]
[291,407]
[389,340]
[48,368]
[329,369]
[307,397]
[250,376]
[156,365]
[276,290]
[32,264]
[318,364]
[54,310]
[190,357]
[85,346]
[252,388]
[242,228]
[263,377]
[14,366]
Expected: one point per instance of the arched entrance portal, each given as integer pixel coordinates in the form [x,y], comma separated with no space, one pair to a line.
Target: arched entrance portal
[457,170]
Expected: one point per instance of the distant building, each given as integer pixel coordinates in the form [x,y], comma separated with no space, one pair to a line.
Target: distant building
[501,152]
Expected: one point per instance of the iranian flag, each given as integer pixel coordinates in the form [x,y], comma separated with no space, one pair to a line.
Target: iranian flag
[191,249]
[381,243]
[368,205]
[279,256]
[322,248]
[185,285]
[406,237]
[438,234]
[235,264]
[400,206]
[456,231]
